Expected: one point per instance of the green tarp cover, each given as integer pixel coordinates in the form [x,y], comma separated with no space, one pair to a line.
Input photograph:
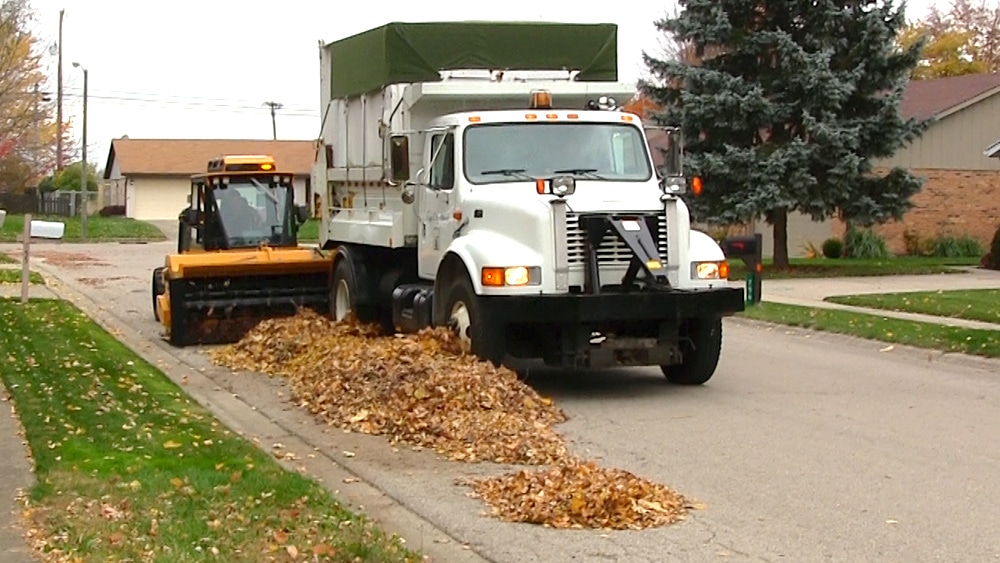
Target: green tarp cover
[416,52]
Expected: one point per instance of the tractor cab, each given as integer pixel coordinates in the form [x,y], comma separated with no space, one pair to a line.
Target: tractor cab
[240,202]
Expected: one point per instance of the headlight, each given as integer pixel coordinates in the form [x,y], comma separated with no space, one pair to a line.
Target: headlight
[512,276]
[563,186]
[710,270]
[673,185]
[560,186]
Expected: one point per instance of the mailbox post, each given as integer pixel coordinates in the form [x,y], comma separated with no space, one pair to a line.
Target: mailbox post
[748,249]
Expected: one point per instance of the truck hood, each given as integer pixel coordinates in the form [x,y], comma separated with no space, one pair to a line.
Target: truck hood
[590,196]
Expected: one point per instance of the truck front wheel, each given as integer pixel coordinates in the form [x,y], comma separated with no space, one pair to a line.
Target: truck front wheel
[463,314]
[700,350]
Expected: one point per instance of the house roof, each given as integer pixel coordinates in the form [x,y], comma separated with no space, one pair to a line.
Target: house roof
[945,96]
[183,157]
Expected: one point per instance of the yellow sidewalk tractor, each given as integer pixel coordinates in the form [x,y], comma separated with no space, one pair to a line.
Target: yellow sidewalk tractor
[238,260]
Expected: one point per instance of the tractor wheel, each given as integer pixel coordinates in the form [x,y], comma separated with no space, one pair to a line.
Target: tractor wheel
[158,289]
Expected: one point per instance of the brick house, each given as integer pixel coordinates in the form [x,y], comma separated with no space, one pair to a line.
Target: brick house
[961,194]
[152,177]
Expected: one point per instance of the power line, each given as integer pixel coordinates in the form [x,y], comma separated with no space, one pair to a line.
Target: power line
[179,104]
[193,102]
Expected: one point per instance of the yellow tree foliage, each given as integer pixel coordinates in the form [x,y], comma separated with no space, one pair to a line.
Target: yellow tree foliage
[27,125]
[963,40]
[946,53]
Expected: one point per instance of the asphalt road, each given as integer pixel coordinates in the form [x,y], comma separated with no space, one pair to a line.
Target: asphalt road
[804,446]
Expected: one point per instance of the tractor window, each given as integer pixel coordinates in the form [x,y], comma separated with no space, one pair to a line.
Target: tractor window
[254,211]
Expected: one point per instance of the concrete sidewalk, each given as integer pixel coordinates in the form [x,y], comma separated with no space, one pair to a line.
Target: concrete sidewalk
[18,475]
[812,292]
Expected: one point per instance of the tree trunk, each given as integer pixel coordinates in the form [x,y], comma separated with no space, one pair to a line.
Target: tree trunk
[779,219]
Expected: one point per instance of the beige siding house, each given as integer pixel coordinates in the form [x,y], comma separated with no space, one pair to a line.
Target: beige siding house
[152,177]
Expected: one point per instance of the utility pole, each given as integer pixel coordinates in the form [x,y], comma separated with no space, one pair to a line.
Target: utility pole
[274,129]
[83,167]
[38,139]
[59,116]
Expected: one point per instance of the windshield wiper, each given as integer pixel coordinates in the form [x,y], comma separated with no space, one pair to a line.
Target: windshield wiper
[506,172]
[592,172]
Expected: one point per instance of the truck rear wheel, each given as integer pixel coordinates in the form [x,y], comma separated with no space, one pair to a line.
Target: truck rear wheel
[342,294]
[158,289]
[462,312]
[701,353]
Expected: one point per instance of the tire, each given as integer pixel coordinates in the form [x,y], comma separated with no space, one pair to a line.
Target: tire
[463,313]
[701,354]
[158,289]
[343,291]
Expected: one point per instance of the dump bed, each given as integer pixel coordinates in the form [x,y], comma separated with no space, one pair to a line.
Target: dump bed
[400,76]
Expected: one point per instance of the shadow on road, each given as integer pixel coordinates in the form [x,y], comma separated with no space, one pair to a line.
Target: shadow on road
[598,385]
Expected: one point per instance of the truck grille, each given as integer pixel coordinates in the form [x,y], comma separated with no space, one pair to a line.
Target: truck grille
[612,250]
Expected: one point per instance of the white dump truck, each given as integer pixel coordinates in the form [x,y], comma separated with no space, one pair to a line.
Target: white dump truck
[481,176]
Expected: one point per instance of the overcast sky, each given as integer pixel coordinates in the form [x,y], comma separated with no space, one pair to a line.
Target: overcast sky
[203,69]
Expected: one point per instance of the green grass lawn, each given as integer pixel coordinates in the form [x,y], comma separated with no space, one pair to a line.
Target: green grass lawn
[99,229]
[841,267]
[309,231]
[129,468]
[14,276]
[978,305]
[922,335]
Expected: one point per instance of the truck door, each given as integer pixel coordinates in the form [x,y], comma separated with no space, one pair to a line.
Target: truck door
[435,203]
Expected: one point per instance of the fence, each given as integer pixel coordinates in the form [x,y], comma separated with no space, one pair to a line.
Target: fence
[13,203]
[60,203]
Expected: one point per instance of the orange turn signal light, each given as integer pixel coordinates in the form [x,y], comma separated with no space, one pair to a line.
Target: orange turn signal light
[540,185]
[696,185]
[493,277]
[724,270]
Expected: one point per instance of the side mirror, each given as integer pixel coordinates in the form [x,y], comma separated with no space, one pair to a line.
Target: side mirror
[399,158]
[301,213]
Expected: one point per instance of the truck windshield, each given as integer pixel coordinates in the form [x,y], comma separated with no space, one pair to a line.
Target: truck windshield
[254,211]
[515,152]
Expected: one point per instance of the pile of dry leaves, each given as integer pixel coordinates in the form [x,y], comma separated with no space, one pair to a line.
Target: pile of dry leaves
[579,494]
[421,389]
[416,389]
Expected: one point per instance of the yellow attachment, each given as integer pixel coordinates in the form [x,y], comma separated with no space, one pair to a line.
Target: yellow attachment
[264,260]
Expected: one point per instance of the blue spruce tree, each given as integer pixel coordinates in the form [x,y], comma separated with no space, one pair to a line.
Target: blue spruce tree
[786,107]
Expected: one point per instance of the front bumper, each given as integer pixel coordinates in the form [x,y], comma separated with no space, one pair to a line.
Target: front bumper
[648,305]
